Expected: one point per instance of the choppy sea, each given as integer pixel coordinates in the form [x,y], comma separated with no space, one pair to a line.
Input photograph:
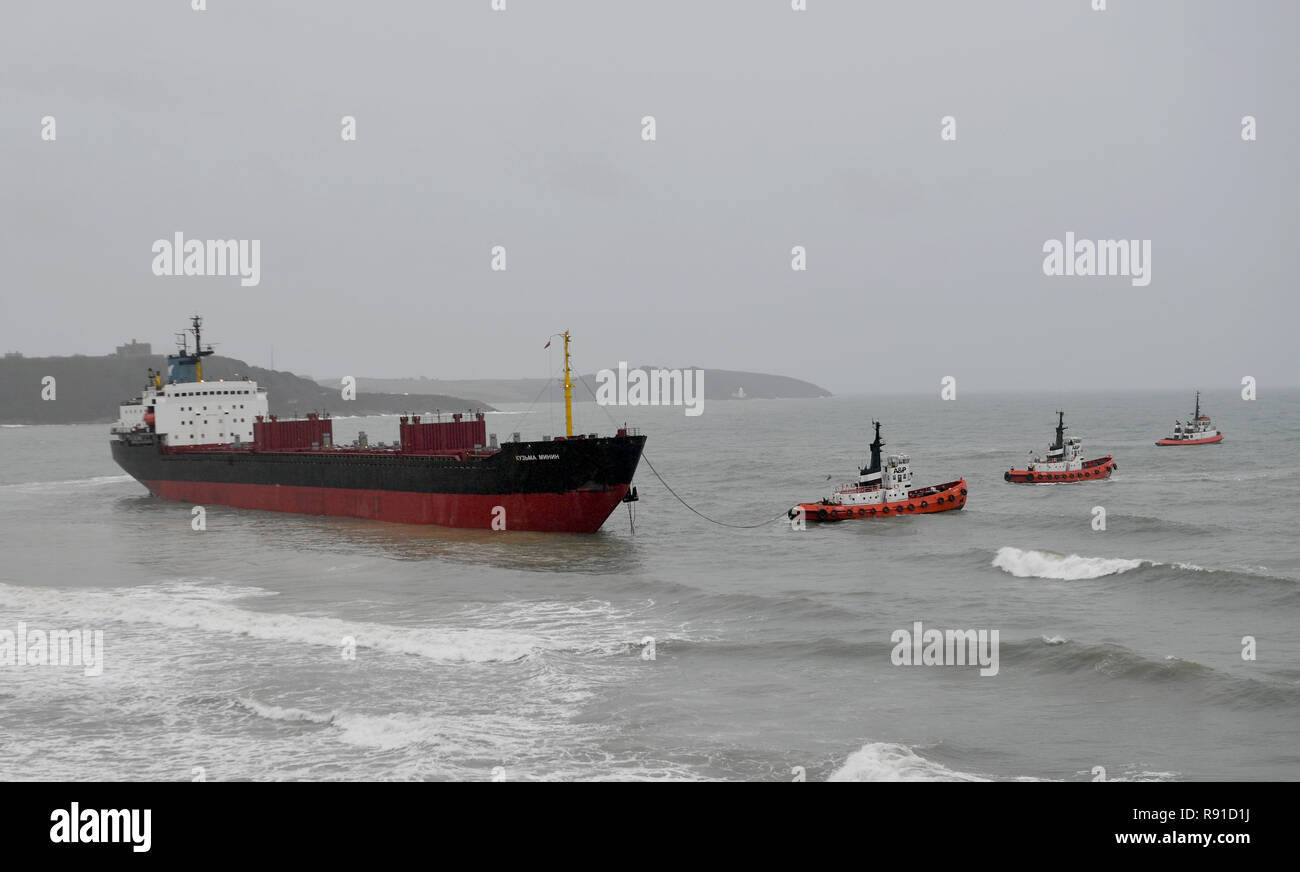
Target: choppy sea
[518,656]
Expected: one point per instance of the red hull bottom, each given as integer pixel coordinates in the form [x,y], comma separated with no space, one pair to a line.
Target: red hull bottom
[571,512]
[1098,470]
[1213,440]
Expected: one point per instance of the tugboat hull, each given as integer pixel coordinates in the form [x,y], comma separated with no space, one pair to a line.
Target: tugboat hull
[1093,470]
[1212,440]
[1198,431]
[947,497]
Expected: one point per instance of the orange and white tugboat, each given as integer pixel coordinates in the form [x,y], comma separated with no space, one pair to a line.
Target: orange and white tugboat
[1063,462]
[883,490]
[1198,431]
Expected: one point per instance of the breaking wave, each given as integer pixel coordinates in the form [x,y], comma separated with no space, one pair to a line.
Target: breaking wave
[888,761]
[1032,563]
[162,606]
[1044,564]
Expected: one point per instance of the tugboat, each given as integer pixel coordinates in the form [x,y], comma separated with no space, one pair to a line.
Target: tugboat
[1064,462]
[883,490]
[1198,431]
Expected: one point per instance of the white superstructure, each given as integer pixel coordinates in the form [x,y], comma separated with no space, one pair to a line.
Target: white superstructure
[892,483]
[189,410]
[197,413]
[1063,455]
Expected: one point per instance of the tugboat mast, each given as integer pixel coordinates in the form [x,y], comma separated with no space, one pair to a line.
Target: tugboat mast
[1060,431]
[876,445]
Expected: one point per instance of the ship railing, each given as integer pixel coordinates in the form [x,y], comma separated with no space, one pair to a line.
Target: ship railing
[853,487]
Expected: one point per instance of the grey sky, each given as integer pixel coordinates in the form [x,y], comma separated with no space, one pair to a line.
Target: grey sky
[775,128]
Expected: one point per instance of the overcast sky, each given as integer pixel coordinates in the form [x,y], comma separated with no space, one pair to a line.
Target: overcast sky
[775,128]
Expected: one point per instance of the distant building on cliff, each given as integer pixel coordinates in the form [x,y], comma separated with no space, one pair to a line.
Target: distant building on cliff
[135,349]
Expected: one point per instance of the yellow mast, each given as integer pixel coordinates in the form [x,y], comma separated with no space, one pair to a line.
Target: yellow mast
[568,389]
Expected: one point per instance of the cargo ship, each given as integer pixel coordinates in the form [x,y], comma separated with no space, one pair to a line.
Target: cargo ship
[1198,431]
[1063,462]
[883,490]
[215,443]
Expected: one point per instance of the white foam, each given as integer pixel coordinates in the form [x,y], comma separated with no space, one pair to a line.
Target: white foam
[200,590]
[157,605]
[276,713]
[1045,564]
[68,484]
[484,735]
[887,761]
[588,627]
[1055,640]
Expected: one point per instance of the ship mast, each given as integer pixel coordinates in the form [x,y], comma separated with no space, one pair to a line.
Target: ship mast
[199,351]
[177,363]
[876,445]
[198,343]
[568,389]
[1197,415]
[1060,431]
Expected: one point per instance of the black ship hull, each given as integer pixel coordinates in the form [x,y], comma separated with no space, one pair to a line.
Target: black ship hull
[565,485]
